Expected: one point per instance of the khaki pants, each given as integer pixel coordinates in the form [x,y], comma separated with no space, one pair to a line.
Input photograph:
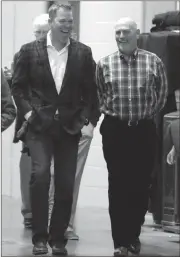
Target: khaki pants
[83,150]
[25,175]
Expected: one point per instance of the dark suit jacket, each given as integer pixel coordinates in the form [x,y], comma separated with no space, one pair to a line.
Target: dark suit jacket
[8,111]
[15,60]
[34,89]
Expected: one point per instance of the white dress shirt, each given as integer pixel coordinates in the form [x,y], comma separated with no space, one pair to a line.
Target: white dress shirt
[58,62]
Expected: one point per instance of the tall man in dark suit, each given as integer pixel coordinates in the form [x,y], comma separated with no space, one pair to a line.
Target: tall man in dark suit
[53,86]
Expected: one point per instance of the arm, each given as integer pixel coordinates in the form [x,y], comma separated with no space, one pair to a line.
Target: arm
[169,147]
[8,111]
[89,86]
[171,157]
[95,113]
[168,139]
[20,83]
[14,62]
[100,85]
[174,141]
[162,86]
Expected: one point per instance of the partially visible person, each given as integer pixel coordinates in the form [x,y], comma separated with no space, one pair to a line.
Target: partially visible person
[83,150]
[41,26]
[132,89]
[172,155]
[172,136]
[40,29]
[8,110]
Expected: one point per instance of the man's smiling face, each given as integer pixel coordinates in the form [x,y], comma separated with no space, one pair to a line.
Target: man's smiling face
[126,35]
[62,24]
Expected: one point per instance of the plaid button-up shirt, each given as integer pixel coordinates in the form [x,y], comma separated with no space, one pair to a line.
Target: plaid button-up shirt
[131,90]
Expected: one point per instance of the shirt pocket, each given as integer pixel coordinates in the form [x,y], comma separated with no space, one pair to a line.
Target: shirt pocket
[145,86]
[146,82]
[150,79]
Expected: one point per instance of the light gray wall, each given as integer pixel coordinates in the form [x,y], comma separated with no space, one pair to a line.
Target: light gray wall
[97,19]
[17,19]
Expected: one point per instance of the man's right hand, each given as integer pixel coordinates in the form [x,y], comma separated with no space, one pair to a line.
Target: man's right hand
[88,130]
[22,131]
[171,157]
[27,115]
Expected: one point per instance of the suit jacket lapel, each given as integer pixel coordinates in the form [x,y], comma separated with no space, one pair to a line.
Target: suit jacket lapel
[44,61]
[71,62]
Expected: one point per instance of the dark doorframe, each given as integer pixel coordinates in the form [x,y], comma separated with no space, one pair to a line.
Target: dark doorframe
[76,13]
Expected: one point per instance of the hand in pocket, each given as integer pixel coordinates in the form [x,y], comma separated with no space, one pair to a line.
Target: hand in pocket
[88,130]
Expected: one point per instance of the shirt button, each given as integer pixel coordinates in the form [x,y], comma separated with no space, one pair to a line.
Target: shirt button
[129,87]
[129,99]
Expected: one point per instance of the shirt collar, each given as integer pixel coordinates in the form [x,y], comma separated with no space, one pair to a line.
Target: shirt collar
[134,54]
[49,42]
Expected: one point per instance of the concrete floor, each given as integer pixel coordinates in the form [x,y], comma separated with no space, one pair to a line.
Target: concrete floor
[93,227]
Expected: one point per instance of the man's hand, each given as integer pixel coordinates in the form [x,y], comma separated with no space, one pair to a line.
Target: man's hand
[88,130]
[27,115]
[171,157]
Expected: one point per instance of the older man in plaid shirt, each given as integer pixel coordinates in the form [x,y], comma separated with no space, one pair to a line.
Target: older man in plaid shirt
[132,89]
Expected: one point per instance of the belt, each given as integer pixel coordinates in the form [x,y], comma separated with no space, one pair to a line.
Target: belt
[134,123]
[130,123]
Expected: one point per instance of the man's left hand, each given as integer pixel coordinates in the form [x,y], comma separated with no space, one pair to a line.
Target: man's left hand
[171,157]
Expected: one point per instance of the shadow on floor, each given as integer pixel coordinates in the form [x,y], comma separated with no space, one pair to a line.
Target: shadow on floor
[93,228]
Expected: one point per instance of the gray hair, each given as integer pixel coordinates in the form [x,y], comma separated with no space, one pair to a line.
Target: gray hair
[41,20]
[126,20]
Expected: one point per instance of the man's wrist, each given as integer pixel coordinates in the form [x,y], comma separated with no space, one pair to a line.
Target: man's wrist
[86,123]
[27,115]
[173,149]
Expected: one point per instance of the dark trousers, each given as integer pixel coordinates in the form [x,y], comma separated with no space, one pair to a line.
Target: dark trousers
[129,153]
[56,141]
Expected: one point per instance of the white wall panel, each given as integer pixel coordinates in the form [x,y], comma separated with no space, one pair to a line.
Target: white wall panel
[17,18]
[97,19]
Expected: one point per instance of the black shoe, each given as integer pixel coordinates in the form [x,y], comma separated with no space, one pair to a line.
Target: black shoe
[28,222]
[40,248]
[135,247]
[59,249]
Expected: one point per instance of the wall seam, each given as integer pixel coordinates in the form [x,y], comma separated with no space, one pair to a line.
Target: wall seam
[143,16]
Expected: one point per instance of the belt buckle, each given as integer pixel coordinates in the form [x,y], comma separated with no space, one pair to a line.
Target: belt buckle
[132,123]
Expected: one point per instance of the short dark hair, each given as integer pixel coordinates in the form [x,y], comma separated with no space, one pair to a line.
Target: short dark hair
[56,6]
